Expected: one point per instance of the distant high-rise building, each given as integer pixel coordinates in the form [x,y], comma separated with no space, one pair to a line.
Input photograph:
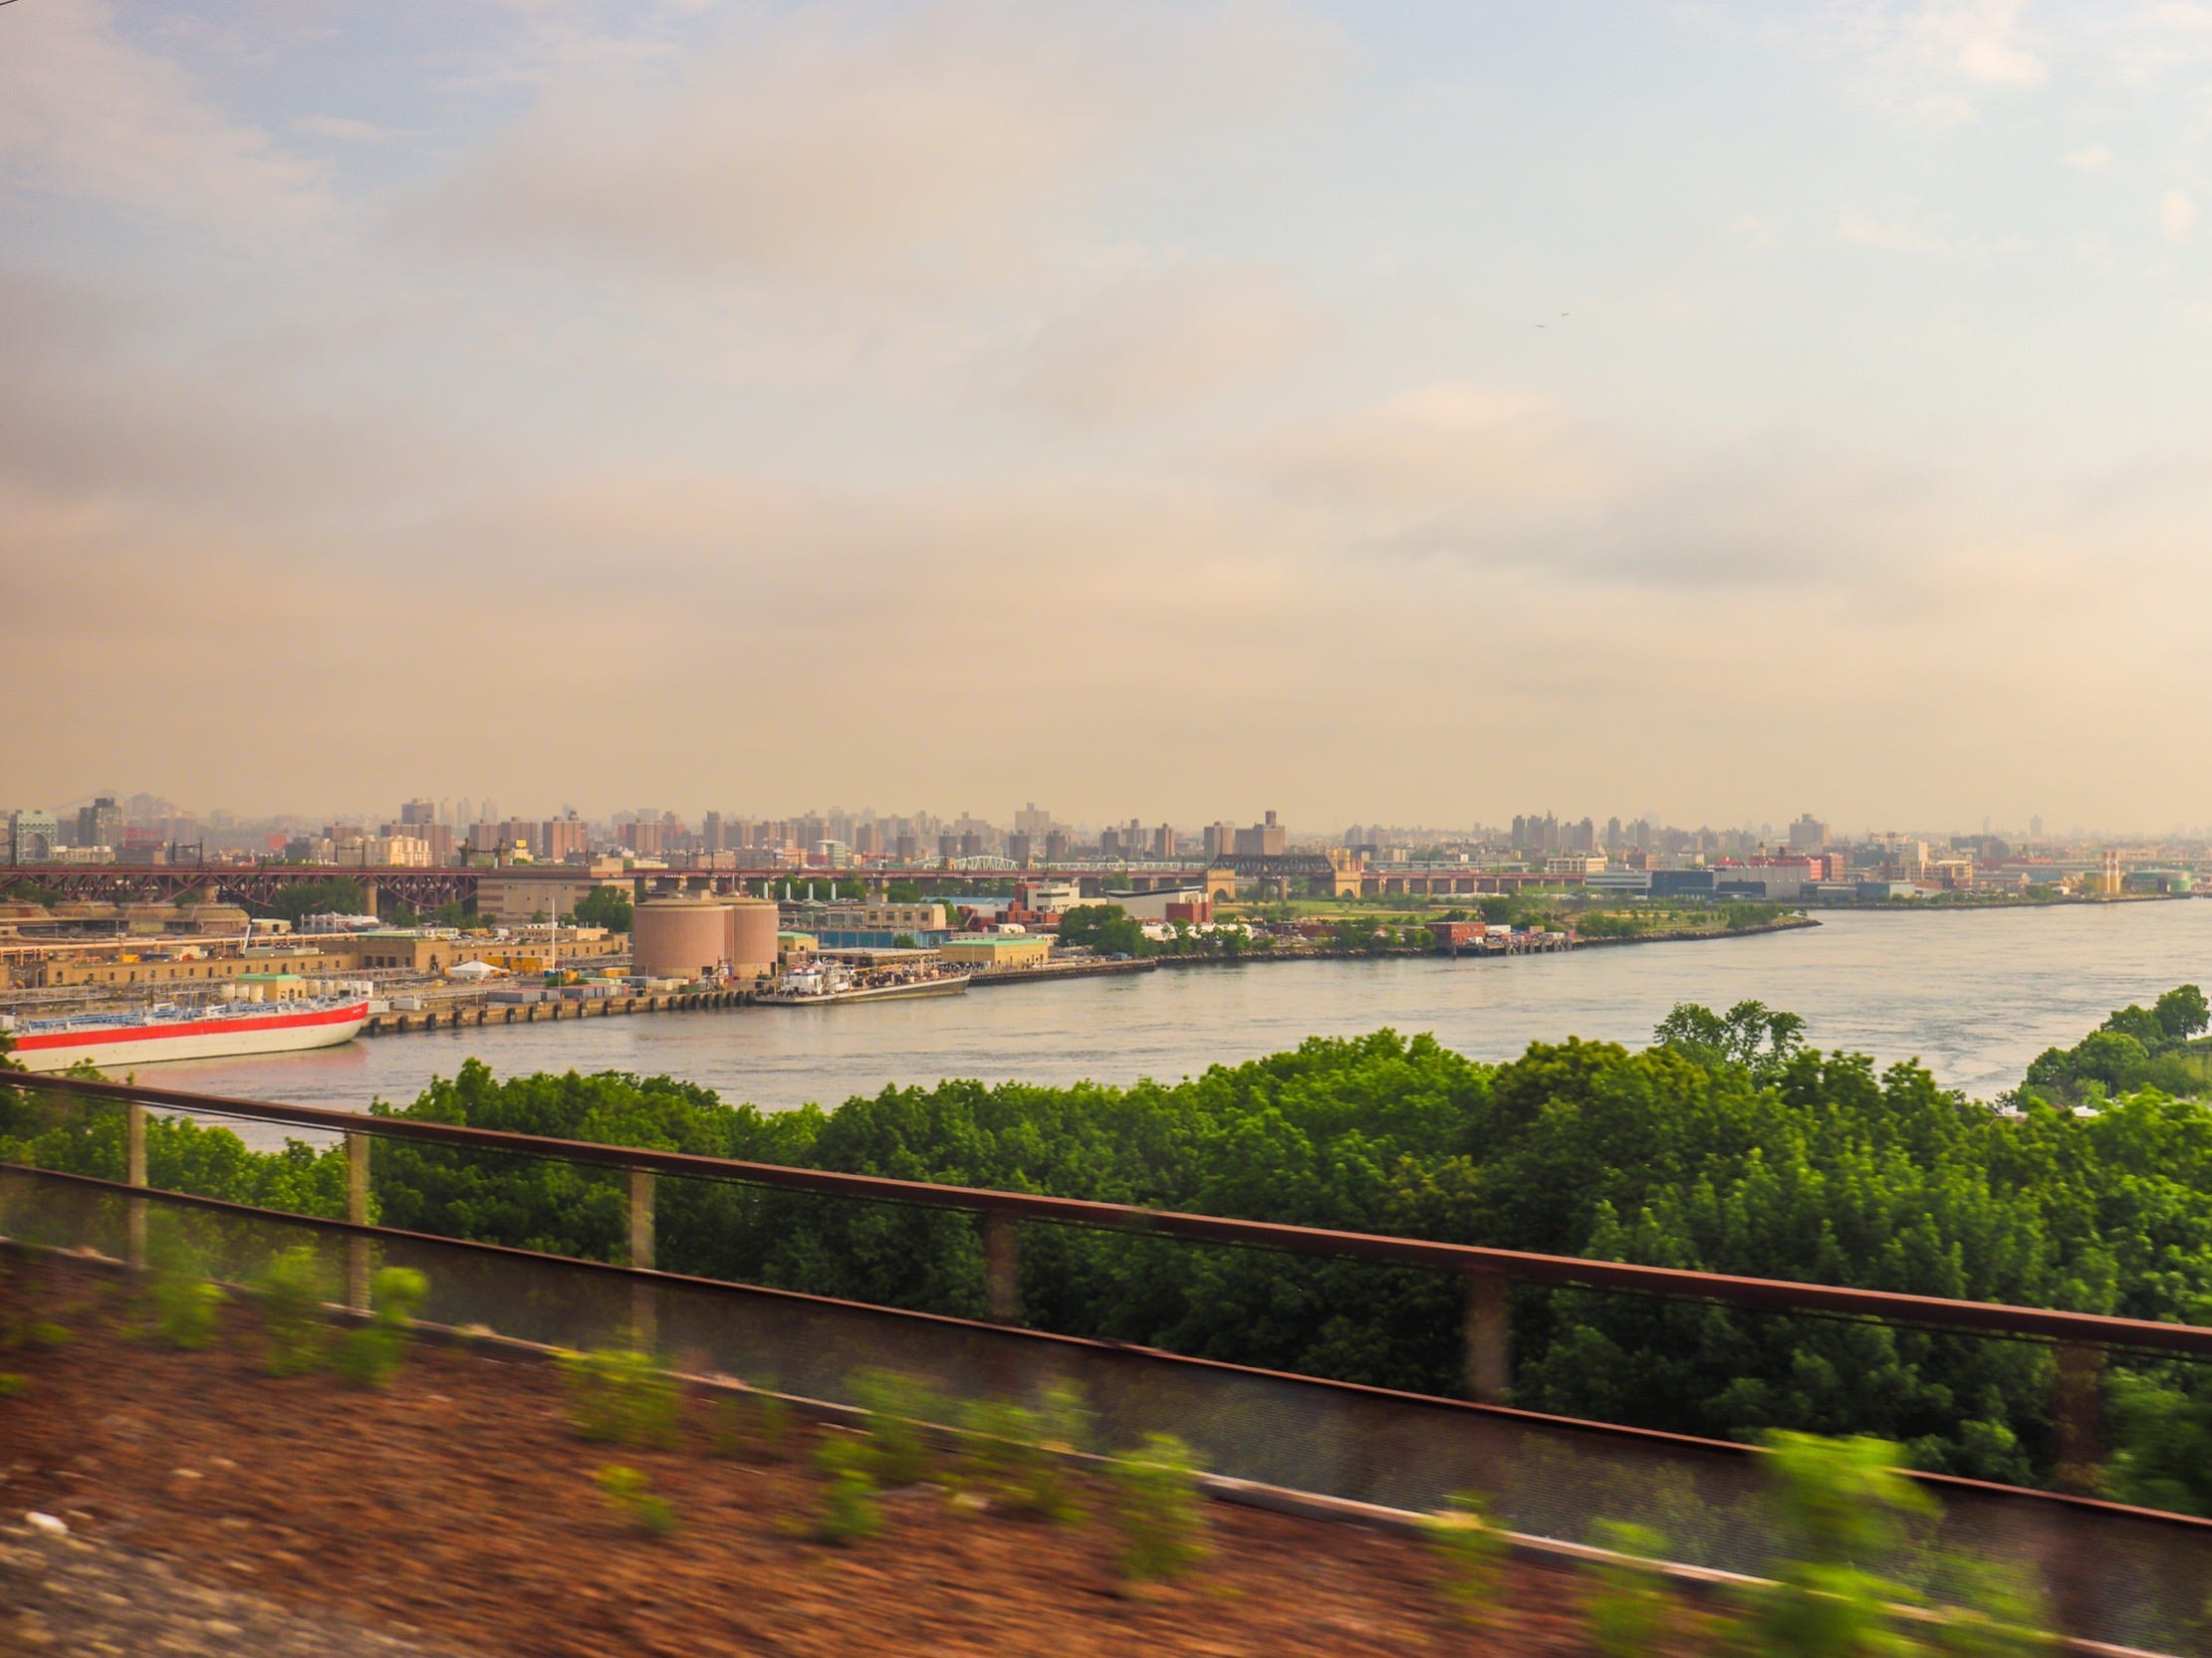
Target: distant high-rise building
[1221,839]
[1055,847]
[1020,848]
[100,823]
[1808,834]
[31,836]
[561,838]
[417,811]
[1110,844]
[1263,839]
[1032,821]
[711,834]
[2035,827]
[1163,842]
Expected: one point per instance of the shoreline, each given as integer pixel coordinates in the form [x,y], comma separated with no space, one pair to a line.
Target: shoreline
[1787,924]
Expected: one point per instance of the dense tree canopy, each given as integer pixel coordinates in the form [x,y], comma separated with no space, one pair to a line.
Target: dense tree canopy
[1106,928]
[606,906]
[1728,1146]
[318,897]
[2136,1047]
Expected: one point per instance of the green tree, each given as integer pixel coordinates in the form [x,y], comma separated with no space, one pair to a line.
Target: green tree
[605,906]
[330,896]
[1106,928]
[2183,1012]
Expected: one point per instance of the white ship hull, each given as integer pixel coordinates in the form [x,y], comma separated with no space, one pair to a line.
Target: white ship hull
[128,1045]
[870,993]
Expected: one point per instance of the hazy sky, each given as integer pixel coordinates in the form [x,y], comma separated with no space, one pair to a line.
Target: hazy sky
[1425,412]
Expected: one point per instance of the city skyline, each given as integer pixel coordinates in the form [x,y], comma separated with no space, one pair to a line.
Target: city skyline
[1348,408]
[457,813]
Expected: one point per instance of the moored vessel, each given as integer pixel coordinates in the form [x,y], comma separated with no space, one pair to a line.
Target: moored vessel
[167,1031]
[823,982]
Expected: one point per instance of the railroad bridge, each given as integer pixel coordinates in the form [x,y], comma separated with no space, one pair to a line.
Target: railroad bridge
[256,887]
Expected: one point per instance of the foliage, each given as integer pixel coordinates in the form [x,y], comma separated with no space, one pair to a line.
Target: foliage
[1988,1609]
[1729,1146]
[1471,1548]
[293,1290]
[2135,1048]
[606,906]
[629,1494]
[1836,1504]
[47,1131]
[32,1333]
[621,1398]
[2163,1429]
[1017,1456]
[184,1304]
[371,1355]
[1156,1501]
[849,1506]
[1107,928]
[330,896]
[1632,1613]
[1749,1034]
[900,1410]
[1739,917]
[902,892]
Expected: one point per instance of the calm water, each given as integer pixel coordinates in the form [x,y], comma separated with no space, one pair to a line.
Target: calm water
[1974,993]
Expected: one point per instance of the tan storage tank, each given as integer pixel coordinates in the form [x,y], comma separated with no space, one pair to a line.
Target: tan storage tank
[749,945]
[677,938]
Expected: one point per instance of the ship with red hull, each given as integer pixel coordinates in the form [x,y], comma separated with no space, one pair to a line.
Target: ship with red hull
[166,1030]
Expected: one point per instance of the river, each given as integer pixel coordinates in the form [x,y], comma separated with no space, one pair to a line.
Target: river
[1973,994]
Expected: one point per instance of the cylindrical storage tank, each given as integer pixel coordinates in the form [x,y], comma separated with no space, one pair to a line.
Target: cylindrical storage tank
[749,943]
[676,938]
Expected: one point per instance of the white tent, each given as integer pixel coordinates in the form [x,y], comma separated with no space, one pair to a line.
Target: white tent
[475,970]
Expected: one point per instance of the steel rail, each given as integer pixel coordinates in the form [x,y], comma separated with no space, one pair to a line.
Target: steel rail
[1770,1294]
[1661,1439]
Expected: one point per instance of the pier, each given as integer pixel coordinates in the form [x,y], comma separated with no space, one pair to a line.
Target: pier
[473,1015]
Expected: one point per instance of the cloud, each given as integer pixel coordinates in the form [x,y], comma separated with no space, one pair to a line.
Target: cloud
[2185,16]
[1982,39]
[2095,159]
[1447,445]
[103,411]
[1163,342]
[2176,216]
[1865,232]
[345,131]
[86,114]
[824,143]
